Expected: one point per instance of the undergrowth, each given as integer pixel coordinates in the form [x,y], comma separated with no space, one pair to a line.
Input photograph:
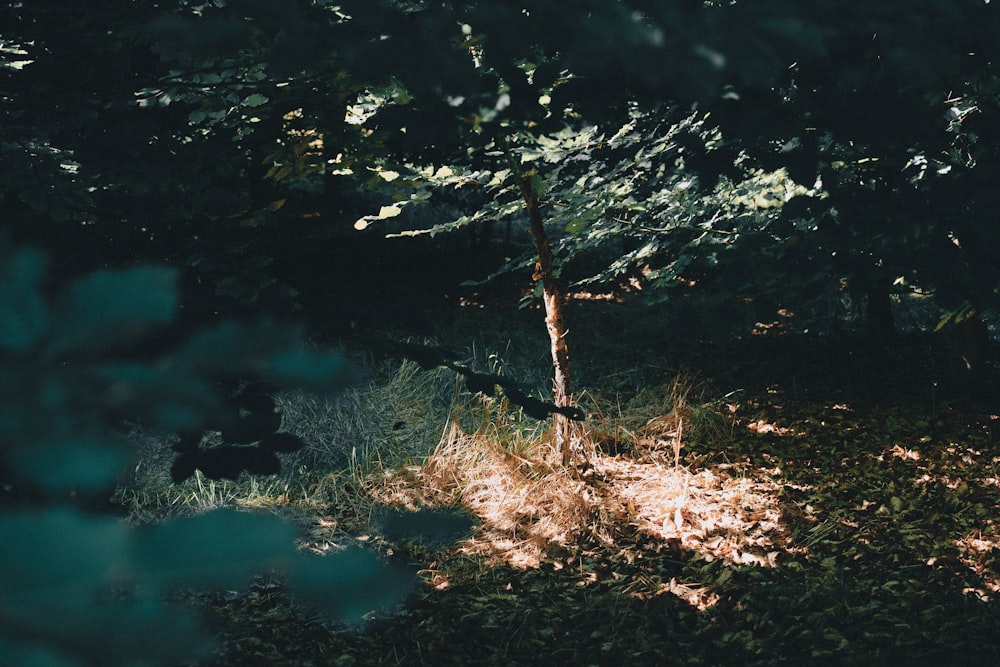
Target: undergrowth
[763,529]
[416,439]
[395,418]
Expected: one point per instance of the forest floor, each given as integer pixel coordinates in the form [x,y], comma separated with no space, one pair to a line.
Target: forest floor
[779,499]
[839,512]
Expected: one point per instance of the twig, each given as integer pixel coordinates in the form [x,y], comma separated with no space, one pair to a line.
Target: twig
[665,230]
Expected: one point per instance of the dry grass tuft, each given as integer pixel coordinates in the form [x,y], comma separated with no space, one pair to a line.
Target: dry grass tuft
[527,506]
[485,457]
[532,510]
[736,518]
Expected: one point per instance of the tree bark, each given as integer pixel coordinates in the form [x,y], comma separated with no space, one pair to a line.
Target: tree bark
[969,345]
[881,324]
[553,300]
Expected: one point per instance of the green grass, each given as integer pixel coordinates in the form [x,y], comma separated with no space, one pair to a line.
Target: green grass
[398,418]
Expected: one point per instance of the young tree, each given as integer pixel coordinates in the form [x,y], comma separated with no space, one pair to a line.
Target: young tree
[522,152]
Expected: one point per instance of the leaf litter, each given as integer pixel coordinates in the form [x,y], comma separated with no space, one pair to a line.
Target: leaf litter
[816,533]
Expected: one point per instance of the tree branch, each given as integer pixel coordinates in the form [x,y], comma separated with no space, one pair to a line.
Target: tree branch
[665,230]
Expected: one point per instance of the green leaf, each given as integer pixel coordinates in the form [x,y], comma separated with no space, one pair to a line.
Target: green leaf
[36,565]
[100,310]
[264,350]
[576,225]
[161,396]
[56,567]
[24,315]
[219,549]
[350,583]
[324,372]
[33,655]
[234,349]
[144,631]
[74,464]
[255,100]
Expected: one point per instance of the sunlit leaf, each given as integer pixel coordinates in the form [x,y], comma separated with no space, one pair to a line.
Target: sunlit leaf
[388,212]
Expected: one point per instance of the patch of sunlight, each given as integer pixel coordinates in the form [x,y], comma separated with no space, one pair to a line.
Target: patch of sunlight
[531,511]
[527,507]
[905,453]
[718,512]
[764,426]
[976,552]
[699,597]
[586,295]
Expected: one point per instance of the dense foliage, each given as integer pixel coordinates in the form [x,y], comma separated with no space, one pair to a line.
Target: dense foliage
[78,583]
[685,136]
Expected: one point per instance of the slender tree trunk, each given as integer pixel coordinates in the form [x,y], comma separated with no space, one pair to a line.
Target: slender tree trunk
[553,300]
[970,340]
[881,324]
